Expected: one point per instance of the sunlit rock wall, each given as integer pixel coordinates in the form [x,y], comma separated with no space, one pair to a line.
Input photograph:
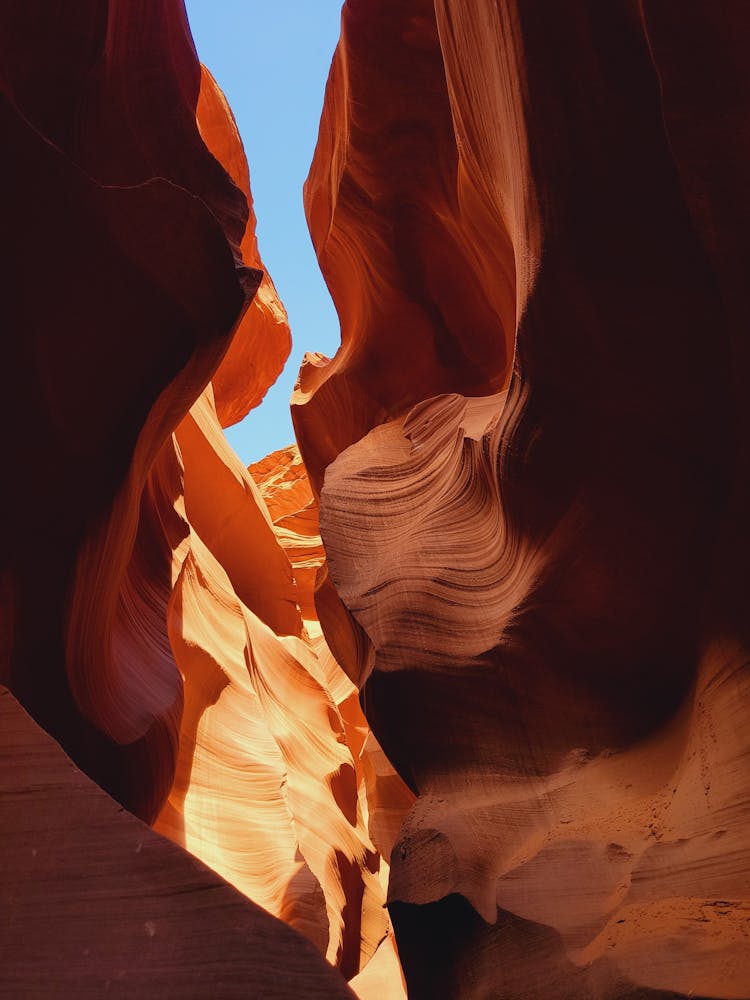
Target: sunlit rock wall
[122,291]
[540,592]
[152,621]
[96,904]
[528,465]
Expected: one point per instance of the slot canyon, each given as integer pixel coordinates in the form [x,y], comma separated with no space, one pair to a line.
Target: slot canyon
[450,698]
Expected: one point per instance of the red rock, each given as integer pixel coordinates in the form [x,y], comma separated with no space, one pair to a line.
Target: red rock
[262,341]
[170,658]
[383,796]
[386,235]
[95,902]
[528,462]
[109,341]
[541,606]
[265,789]
[285,488]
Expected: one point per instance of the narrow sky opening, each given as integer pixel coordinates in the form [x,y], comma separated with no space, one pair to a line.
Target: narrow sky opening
[272,61]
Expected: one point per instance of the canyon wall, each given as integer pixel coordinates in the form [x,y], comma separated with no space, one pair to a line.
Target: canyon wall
[98,904]
[152,619]
[531,457]
[478,646]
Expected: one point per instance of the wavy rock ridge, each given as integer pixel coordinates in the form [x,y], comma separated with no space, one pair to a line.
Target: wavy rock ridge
[538,592]
[173,662]
[183,930]
[528,465]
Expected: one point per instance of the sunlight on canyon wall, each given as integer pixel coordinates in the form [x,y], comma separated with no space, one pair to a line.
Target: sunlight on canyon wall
[449,698]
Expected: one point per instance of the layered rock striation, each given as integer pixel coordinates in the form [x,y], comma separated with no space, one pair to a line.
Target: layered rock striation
[479,645]
[100,904]
[539,592]
[151,618]
[108,343]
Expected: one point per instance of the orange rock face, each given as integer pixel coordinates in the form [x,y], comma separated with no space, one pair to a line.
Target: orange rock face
[489,662]
[539,592]
[383,796]
[262,342]
[96,902]
[265,789]
[108,342]
[173,661]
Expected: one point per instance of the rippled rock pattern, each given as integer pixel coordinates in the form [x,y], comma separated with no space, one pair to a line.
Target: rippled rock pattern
[540,592]
[98,904]
[151,616]
[516,518]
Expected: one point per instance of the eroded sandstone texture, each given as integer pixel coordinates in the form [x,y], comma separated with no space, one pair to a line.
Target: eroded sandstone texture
[528,464]
[541,592]
[96,904]
[153,623]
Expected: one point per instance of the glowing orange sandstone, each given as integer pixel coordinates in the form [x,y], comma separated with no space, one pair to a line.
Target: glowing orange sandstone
[529,464]
[538,595]
[262,342]
[171,658]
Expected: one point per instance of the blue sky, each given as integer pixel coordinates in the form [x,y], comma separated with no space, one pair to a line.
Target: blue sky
[272,60]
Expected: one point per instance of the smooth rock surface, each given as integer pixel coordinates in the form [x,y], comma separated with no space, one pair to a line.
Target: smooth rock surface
[540,596]
[95,903]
